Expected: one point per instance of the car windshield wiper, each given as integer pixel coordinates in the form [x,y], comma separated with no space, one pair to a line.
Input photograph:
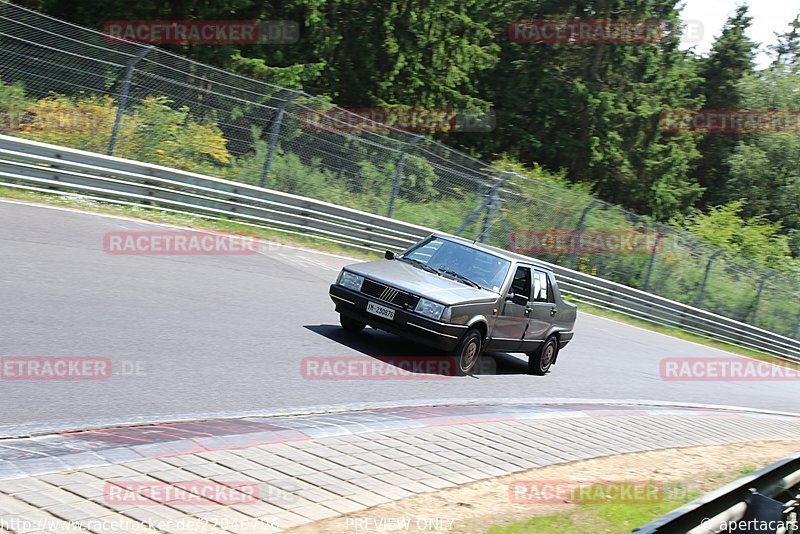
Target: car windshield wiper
[460,277]
[420,265]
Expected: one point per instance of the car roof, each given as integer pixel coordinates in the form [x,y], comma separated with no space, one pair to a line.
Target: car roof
[505,254]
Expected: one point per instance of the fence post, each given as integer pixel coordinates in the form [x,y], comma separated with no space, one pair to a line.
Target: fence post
[398,175]
[652,262]
[488,199]
[796,334]
[273,138]
[699,301]
[487,220]
[494,206]
[758,297]
[579,231]
[123,95]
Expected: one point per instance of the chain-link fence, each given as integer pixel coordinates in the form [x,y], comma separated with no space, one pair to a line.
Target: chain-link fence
[73,86]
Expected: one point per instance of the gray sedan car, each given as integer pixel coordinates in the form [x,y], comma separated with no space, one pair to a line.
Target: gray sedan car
[460,297]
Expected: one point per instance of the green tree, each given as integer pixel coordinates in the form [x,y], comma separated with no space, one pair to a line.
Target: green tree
[765,167]
[754,238]
[787,50]
[410,53]
[593,108]
[730,60]
[285,64]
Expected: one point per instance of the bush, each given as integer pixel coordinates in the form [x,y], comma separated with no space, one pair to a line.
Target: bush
[150,131]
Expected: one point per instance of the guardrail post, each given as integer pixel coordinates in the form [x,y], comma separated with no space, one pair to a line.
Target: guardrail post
[758,297]
[398,175]
[652,263]
[273,138]
[123,95]
[699,300]
[579,230]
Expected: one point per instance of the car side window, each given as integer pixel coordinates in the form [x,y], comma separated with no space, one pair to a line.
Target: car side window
[522,282]
[541,287]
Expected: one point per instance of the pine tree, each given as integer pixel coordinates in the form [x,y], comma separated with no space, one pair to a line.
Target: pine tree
[731,59]
[787,50]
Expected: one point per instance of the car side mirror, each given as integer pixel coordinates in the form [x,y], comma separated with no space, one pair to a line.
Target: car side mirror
[389,255]
[521,300]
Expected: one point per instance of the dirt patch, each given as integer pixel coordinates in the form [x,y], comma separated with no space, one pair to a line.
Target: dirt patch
[473,508]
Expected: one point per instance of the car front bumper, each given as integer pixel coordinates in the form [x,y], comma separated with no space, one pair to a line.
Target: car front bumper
[405,324]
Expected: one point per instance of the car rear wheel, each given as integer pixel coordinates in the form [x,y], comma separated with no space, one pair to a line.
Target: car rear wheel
[468,352]
[540,360]
[351,325]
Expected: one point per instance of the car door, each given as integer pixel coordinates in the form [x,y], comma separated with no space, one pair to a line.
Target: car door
[541,311]
[512,319]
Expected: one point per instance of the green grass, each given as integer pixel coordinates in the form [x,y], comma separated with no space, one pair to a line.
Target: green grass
[609,518]
[606,518]
[189,221]
[676,332]
[619,518]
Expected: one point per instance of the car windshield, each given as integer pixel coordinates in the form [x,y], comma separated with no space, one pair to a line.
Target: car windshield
[460,261]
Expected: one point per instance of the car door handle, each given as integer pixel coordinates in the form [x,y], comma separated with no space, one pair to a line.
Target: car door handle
[527,311]
[553,311]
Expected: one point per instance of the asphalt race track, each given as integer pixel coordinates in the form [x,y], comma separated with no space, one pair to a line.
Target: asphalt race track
[223,335]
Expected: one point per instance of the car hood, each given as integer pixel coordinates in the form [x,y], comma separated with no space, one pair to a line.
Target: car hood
[409,278]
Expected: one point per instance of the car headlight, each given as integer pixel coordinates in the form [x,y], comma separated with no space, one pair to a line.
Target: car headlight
[430,309]
[350,280]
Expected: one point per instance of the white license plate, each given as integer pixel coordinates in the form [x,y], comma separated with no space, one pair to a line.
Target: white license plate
[380,311]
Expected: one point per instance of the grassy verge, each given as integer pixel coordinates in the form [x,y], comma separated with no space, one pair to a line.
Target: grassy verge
[190,221]
[677,332]
[613,518]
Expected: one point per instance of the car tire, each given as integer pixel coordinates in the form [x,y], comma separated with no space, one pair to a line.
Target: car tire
[468,352]
[351,325]
[541,359]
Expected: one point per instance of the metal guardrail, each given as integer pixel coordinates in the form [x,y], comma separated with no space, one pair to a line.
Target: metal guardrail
[754,502]
[100,94]
[35,166]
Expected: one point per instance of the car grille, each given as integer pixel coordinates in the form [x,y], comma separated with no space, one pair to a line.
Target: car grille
[389,294]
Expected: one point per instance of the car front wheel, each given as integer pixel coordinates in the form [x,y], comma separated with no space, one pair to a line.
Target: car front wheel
[351,325]
[541,359]
[468,352]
